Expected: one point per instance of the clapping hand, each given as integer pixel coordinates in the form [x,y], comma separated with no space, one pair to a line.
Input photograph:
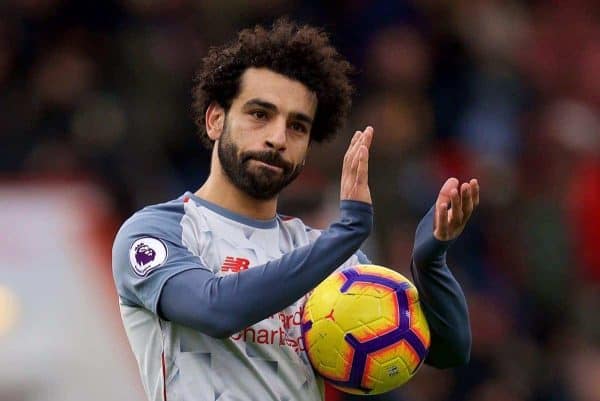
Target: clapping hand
[454,207]
[355,170]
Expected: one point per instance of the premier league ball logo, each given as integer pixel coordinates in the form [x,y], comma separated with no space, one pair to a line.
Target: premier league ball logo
[147,254]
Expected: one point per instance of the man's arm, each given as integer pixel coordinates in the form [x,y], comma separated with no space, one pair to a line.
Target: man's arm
[441,296]
[222,306]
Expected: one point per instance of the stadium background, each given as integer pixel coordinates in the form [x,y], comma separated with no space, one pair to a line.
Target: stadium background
[95,123]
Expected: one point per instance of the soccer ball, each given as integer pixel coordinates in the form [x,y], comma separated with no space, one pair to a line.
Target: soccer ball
[364,329]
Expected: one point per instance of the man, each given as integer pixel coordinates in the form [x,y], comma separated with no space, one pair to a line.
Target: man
[211,284]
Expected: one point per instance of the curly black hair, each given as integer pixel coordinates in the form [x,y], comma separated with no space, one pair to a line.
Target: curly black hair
[302,53]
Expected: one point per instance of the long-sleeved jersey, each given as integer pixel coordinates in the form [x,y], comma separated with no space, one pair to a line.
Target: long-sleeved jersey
[211,300]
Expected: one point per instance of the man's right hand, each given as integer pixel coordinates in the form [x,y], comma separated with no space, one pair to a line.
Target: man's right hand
[355,170]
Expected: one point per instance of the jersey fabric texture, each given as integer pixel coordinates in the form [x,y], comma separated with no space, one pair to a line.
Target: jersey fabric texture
[265,361]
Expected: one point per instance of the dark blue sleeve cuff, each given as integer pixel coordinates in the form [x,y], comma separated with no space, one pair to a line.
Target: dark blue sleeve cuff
[427,248]
[356,206]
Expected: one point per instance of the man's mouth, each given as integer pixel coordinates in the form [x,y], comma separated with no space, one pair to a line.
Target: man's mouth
[268,165]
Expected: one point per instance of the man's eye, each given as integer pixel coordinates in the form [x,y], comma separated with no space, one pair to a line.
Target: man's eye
[260,115]
[298,127]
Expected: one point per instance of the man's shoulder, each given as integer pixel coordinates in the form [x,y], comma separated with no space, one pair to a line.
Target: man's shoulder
[161,219]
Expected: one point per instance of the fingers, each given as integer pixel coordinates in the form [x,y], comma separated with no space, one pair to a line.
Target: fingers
[444,196]
[456,214]
[347,178]
[349,156]
[367,137]
[467,200]
[441,222]
[355,160]
[362,170]
[362,156]
[474,184]
[360,138]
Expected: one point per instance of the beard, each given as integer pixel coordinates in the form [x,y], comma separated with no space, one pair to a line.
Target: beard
[259,182]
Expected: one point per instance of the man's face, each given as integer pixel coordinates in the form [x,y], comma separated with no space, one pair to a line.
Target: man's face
[266,133]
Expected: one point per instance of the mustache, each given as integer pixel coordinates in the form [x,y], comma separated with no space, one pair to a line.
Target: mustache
[272,158]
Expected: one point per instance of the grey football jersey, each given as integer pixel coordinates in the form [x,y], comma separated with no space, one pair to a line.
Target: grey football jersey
[266,361]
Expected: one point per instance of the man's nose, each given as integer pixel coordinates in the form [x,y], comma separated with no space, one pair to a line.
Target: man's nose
[276,137]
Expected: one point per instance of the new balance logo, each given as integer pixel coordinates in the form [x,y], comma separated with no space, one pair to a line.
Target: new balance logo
[235,265]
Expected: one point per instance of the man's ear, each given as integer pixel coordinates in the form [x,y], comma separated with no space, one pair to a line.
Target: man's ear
[215,120]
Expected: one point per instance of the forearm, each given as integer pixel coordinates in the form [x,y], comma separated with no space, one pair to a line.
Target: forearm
[221,306]
[442,299]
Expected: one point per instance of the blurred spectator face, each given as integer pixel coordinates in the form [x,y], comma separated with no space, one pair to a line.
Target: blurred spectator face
[401,122]
[562,55]
[266,132]
[494,29]
[399,56]
[62,76]
[573,126]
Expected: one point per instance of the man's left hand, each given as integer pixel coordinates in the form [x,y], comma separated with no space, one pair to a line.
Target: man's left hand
[454,207]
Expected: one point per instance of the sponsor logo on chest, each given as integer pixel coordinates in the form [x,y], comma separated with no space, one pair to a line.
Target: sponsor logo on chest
[233,264]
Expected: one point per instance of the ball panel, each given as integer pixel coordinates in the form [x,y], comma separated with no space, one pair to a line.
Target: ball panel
[328,352]
[366,317]
[353,312]
[412,294]
[326,332]
[398,351]
[324,297]
[341,368]
[385,369]
[390,308]
[409,355]
[418,324]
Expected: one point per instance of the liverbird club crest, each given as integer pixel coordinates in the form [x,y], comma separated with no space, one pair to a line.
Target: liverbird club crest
[147,254]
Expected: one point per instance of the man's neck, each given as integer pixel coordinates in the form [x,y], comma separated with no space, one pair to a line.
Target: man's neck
[219,190]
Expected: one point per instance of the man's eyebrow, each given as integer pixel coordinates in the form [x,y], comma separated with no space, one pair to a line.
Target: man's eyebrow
[262,103]
[270,106]
[301,117]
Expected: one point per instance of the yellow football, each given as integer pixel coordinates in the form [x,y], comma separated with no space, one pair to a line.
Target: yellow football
[364,329]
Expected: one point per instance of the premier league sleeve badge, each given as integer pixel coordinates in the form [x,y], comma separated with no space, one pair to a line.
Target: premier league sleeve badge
[147,254]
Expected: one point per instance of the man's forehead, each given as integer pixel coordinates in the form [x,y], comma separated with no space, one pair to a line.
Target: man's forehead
[274,87]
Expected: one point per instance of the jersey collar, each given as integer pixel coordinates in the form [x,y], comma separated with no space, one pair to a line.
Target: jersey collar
[257,223]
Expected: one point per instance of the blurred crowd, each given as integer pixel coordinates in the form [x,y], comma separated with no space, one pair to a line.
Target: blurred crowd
[501,90]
